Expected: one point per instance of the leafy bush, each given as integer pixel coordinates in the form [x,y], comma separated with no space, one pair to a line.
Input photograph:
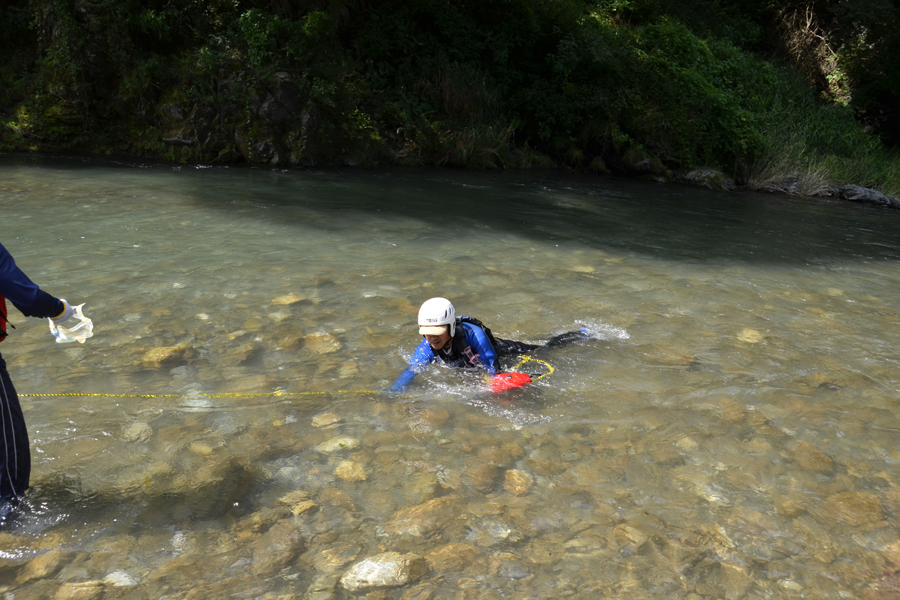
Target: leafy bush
[592,83]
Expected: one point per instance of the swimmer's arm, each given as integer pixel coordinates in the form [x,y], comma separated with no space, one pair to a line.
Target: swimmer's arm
[422,356]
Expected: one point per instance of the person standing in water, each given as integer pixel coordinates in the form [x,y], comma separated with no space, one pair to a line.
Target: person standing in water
[15,455]
[465,342]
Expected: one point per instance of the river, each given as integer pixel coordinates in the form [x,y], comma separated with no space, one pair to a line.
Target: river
[729,429]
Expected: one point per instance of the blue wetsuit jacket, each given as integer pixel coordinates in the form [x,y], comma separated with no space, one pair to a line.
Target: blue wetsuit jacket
[468,337]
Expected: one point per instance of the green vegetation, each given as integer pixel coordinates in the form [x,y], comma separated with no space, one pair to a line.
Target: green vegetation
[788,96]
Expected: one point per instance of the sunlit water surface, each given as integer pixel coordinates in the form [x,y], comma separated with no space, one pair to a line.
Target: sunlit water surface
[730,430]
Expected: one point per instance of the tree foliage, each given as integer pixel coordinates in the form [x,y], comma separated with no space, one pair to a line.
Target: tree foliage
[684,82]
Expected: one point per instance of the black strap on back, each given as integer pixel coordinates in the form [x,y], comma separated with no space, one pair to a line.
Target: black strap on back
[3,334]
[476,322]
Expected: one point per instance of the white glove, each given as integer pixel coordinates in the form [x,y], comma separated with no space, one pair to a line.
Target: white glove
[67,313]
[78,329]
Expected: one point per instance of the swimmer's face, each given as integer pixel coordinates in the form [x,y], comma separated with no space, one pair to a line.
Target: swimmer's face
[439,341]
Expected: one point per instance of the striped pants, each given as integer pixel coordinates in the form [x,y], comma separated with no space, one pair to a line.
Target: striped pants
[15,456]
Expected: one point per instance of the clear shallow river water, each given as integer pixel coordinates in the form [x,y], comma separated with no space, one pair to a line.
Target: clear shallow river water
[730,430]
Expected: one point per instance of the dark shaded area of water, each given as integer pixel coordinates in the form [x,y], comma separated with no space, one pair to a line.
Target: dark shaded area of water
[666,221]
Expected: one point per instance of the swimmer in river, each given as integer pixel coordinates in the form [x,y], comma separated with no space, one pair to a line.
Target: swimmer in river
[465,342]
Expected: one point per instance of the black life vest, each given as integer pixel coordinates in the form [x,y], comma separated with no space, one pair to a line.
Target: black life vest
[461,354]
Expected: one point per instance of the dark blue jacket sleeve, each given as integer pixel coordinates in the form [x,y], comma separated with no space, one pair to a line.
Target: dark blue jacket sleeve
[481,345]
[22,292]
[422,356]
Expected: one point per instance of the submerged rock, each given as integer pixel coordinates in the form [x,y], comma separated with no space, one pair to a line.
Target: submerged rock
[452,557]
[350,471]
[287,300]
[167,356]
[326,420]
[337,444]
[389,569]
[851,508]
[322,587]
[323,343]
[750,336]
[42,566]
[426,518]
[811,458]
[86,590]
[518,483]
[137,432]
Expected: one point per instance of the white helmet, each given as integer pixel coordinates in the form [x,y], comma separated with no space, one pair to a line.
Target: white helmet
[435,315]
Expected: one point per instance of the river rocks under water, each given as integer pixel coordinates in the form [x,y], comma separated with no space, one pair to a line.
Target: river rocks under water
[501,534]
[719,452]
[390,569]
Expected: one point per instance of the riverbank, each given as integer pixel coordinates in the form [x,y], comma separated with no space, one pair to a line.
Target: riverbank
[648,91]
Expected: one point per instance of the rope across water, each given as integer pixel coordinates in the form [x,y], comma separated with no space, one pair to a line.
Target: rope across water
[525,359]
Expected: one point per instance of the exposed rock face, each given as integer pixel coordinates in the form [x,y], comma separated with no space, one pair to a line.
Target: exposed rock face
[709,178]
[389,569]
[856,193]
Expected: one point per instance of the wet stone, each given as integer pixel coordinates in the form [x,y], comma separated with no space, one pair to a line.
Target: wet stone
[790,505]
[120,579]
[326,420]
[389,569]
[287,300]
[333,497]
[452,557]
[303,507]
[423,591]
[350,471]
[335,558]
[851,508]
[348,370]
[276,548]
[626,535]
[811,458]
[481,476]
[337,444]
[421,487]
[322,587]
[750,336]
[137,433]
[42,566]
[167,356]
[426,518]
[323,343]
[293,498]
[517,483]
[492,531]
[87,590]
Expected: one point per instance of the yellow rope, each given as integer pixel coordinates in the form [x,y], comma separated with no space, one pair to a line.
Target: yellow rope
[222,395]
[524,360]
